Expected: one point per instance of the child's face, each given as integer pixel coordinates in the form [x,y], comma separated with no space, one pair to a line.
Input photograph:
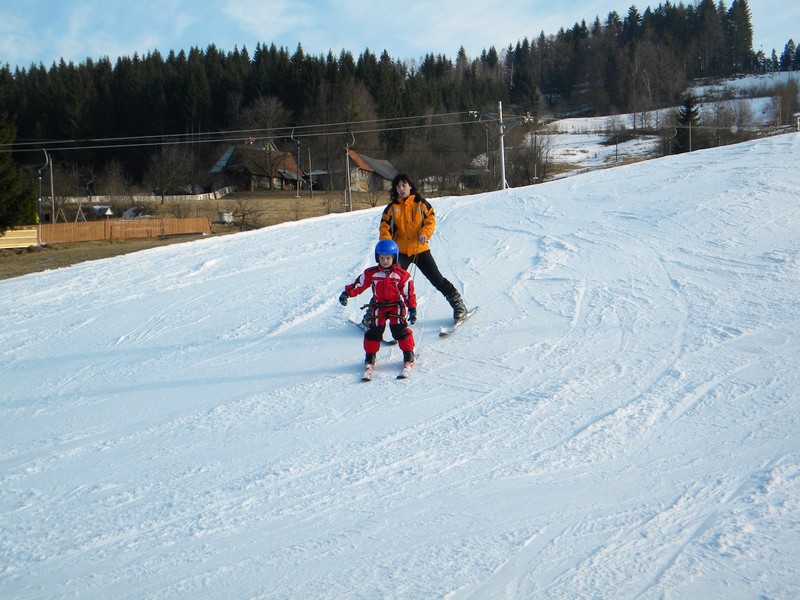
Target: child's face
[385,260]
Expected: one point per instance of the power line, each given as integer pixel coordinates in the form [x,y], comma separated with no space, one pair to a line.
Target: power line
[243,135]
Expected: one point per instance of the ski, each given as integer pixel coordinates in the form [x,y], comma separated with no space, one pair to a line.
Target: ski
[367,376]
[445,331]
[406,370]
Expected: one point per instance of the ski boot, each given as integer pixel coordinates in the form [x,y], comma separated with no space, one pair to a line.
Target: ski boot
[408,364]
[457,303]
[369,366]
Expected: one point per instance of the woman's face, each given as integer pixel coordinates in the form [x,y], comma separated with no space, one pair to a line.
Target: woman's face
[403,189]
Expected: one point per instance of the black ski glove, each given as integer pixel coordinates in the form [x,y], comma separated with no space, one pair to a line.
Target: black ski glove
[412,315]
[343,298]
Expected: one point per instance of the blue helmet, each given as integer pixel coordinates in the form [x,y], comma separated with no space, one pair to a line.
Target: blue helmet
[387,248]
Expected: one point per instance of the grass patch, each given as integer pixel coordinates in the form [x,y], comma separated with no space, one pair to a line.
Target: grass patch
[262,209]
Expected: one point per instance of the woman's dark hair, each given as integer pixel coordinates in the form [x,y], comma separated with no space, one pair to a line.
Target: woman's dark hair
[397,179]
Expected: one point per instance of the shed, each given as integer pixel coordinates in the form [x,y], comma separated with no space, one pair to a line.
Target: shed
[369,174]
[250,167]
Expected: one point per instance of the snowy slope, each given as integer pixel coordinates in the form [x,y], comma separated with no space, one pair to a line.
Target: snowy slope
[618,421]
[582,141]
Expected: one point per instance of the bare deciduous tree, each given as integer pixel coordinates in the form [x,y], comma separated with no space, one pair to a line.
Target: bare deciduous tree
[247,213]
[265,117]
[113,181]
[169,170]
[785,102]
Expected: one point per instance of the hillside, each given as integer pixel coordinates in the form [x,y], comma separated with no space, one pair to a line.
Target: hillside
[618,421]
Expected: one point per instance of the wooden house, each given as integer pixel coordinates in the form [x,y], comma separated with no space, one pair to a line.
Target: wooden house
[252,167]
[369,174]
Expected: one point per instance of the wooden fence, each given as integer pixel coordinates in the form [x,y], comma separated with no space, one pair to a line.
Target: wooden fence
[122,229]
[20,237]
[111,229]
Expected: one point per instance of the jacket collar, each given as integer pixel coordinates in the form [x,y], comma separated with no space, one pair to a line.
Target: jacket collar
[412,197]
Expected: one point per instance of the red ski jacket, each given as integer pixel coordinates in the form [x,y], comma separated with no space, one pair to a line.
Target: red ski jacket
[389,287]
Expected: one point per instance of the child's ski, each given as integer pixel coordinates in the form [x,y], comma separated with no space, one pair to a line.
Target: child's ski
[368,369]
[445,331]
[406,370]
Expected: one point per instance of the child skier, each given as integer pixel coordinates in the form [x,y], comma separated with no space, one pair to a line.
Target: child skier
[392,293]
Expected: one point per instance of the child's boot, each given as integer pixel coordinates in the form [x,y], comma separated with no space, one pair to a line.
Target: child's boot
[408,364]
[369,366]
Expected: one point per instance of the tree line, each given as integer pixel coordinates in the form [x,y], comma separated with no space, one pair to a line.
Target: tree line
[110,125]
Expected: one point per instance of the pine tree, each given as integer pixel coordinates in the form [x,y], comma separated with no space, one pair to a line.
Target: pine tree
[17,200]
[787,56]
[740,37]
[688,119]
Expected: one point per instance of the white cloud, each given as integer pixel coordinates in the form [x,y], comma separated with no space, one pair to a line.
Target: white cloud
[14,36]
[265,20]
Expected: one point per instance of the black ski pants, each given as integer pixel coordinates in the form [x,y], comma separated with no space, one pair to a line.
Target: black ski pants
[427,266]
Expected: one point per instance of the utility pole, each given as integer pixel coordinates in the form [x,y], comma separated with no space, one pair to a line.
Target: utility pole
[52,191]
[502,128]
[298,170]
[310,176]
[39,206]
[348,193]
[503,182]
[297,173]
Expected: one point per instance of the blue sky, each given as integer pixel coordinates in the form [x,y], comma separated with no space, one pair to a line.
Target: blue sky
[43,31]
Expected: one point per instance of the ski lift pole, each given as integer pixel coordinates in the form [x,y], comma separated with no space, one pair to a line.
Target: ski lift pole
[348,193]
[310,176]
[503,182]
[297,187]
[39,204]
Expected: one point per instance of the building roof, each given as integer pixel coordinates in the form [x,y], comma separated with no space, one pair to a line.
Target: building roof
[223,160]
[256,160]
[382,167]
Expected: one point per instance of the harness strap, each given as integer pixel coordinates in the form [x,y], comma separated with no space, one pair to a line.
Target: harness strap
[380,304]
[386,305]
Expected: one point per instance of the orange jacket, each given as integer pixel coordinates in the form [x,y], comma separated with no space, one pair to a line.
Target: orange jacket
[404,219]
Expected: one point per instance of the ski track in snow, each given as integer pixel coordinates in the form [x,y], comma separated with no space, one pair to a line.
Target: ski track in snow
[618,421]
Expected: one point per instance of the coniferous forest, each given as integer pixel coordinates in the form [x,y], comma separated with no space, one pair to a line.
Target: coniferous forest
[109,124]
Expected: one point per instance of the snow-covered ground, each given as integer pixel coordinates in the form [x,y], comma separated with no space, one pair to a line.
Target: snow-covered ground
[583,141]
[619,420]
[761,85]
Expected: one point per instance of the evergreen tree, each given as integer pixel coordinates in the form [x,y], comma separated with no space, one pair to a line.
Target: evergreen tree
[390,101]
[711,39]
[196,94]
[367,71]
[632,26]
[688,119]
[740,37]
[523,92]
[17,199]
[788,56]
[102,111]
